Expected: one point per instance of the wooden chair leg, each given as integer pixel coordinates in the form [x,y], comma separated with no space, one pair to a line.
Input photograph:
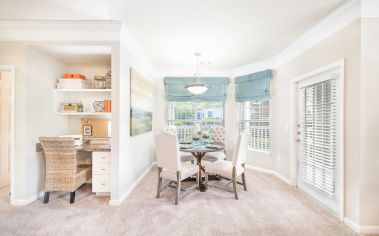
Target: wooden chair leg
[178,182]
[206,180]
[159,182]
[234,183]
[46,197]
[244,181]
[72,197]
[197,180]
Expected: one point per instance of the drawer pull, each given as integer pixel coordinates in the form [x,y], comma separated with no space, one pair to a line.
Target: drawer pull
[103,169]
[103,157]
[103,184]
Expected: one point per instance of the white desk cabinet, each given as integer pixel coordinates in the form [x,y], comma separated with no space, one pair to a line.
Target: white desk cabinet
[101,170]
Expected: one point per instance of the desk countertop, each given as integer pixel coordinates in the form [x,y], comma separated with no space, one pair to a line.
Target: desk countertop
[94,148]
[85,148]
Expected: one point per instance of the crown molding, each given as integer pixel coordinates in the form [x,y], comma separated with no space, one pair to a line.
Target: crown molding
[59,30]
[128,41]
[90,31]
[337,20]
[344,15]
[188,72]
[106,30]
[255,67]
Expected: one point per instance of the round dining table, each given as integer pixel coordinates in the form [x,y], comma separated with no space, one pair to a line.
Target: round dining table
[199,151]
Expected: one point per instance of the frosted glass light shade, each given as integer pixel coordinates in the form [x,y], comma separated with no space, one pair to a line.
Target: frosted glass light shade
[197,88]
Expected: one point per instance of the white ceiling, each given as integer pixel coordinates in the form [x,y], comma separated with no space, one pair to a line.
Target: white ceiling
[229,33]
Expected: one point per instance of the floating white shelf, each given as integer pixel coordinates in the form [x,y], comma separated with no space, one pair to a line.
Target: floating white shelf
[83,90]
[85,96]
[85,113]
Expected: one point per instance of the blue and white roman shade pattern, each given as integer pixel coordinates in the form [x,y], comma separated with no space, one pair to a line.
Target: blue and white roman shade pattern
[252,87]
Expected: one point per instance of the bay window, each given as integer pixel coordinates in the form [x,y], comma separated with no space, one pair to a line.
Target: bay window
[184,115]
[254,117]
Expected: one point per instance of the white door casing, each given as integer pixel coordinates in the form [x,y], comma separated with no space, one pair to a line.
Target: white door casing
[334,71]
[5,128]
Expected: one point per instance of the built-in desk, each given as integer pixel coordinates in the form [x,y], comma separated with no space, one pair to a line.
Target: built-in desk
[94,148]
[101,165]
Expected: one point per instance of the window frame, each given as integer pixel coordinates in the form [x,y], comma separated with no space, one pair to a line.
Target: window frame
[194,120]
[245,121]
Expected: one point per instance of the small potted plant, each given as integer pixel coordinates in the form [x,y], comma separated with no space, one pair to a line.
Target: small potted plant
[80,107]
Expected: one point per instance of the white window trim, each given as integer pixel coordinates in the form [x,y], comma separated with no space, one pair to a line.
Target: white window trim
[340,65]
[195,113]
[260,152]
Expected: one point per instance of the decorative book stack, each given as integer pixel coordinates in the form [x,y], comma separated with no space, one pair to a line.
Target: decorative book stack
[107,105]
[73,81]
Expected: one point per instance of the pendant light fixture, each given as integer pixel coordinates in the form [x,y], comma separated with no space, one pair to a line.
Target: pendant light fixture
[197,88]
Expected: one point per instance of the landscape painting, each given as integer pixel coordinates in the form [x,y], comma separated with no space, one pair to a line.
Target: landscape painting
[141,104]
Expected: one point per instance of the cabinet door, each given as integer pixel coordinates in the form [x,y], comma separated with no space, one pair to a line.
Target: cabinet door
[101,157]
[100,168]
[101,165]
[100,184]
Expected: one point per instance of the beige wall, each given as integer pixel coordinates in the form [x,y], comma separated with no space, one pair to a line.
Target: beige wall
[369,142]
[345,44]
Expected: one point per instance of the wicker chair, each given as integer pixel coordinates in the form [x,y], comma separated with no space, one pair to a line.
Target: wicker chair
[62,171]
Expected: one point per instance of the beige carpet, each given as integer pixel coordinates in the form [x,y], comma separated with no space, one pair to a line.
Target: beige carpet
[268,208]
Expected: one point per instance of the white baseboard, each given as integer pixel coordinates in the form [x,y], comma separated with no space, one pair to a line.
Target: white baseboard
[361,229]
[282,178]
[351,224]
[271,172]
[117,202]
[26,201]
[369,229]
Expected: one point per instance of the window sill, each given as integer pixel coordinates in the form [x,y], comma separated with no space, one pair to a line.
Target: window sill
[261,153]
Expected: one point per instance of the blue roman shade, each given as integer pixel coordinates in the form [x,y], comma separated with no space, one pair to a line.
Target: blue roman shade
[253,86]
[176,92]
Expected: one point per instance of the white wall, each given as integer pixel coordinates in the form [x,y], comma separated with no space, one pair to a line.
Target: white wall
[344,44]
[41,73]
[369,151]
[36,74]
[160,107]
[135,154]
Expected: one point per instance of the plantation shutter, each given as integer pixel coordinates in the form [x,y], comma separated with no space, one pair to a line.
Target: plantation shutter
[317,126]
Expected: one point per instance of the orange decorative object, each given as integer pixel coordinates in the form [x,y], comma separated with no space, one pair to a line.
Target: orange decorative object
[74,76]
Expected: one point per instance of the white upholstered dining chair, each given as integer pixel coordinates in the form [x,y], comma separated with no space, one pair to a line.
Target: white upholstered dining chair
[218,137]
[169,165]
[231,169]
[184,156]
